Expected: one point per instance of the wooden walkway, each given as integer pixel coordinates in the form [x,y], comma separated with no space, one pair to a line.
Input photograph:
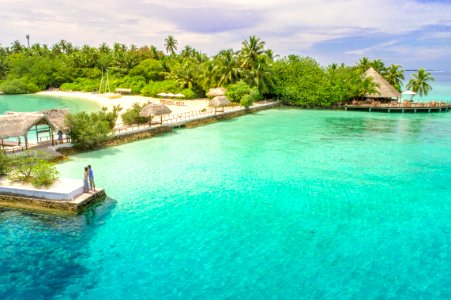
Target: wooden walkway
[395,107]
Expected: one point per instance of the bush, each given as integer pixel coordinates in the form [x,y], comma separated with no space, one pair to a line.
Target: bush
[249,99]
[32,167]
[18,86]
[236,91]
[153,88]
[81,84]
[4,161]
[189,94]
[131,116]
[44,174]
[89,131]
[135,83]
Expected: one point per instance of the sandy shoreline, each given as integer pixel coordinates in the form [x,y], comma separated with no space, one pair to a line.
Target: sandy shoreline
[127,101]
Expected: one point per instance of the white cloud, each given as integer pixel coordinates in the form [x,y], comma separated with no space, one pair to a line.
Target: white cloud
[288,26]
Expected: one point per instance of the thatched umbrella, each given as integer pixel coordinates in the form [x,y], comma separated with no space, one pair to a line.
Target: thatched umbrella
[154,109]
[219,101]
[214,92]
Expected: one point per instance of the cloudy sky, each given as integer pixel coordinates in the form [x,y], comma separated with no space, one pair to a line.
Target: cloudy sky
[413,33]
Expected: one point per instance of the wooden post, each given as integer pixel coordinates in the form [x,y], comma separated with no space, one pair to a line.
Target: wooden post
[26,140]
[51,135]
[37,134]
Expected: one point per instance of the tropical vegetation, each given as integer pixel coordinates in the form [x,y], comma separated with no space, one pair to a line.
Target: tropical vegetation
[420,82]
[30,167]
[89,131]
[294,80]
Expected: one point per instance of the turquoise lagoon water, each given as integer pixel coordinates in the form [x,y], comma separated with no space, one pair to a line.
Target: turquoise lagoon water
[283,204]
[30,103]
[42,102]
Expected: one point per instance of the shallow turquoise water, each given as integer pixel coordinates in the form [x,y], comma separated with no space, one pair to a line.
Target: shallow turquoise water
[283,204]
[40,102]
[30,103]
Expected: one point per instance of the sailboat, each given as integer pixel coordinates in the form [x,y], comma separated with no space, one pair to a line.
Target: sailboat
[104,87]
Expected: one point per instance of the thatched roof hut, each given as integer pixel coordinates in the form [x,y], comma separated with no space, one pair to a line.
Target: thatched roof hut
[56,117]
[214,92]
[385,89]
[219,101]
[154,109]
[18,124]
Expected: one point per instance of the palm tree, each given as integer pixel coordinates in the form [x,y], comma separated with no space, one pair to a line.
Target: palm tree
[250,51]
[260,75]
[364,64]
[226,67]
[378,65]
[419,83]
[394,75]
[366,87]
[170,44]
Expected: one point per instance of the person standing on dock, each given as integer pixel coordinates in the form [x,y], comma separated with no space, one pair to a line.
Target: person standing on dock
[60,137]
[91,178]
[85,181]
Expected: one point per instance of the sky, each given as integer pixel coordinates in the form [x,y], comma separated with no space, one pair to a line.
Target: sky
[412,33]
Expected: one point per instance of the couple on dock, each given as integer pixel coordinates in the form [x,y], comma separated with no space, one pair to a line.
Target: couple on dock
[88,180]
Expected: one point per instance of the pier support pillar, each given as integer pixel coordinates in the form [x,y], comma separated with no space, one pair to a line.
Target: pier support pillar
[388,110]
[429,110]
[402,110]
[370,109]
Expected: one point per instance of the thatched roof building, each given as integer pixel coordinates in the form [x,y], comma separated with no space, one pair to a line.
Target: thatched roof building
[56,117]
[213,92]
[16,124]
[154,109]
[219,101]
[385,89]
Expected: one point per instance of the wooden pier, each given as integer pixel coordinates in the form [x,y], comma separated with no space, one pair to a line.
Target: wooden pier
[395,107]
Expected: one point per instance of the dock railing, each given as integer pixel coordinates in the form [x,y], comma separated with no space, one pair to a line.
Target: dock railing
[396,104]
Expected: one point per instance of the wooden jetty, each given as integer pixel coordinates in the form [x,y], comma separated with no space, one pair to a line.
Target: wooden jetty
[399,107]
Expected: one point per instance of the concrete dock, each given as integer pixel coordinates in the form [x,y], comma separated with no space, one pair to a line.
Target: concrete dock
[66,196]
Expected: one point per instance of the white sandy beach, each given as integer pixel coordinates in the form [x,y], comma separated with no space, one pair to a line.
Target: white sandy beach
[127,101]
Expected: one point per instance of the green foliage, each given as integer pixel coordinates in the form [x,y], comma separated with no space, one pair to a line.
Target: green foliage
[153,88]
[189,94]
[135,83]
[146,70]
[89,131]
[4,162]
[32,167]
[150,69]
[18,86]
[419,83]
[131,116]
[249,99]
[44,174]
[235,92]
[81,84]
[299,81]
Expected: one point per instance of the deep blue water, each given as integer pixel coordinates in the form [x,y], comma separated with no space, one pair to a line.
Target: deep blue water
[283,204]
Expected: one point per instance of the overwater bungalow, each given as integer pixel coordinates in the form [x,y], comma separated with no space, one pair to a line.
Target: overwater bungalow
[388,99]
